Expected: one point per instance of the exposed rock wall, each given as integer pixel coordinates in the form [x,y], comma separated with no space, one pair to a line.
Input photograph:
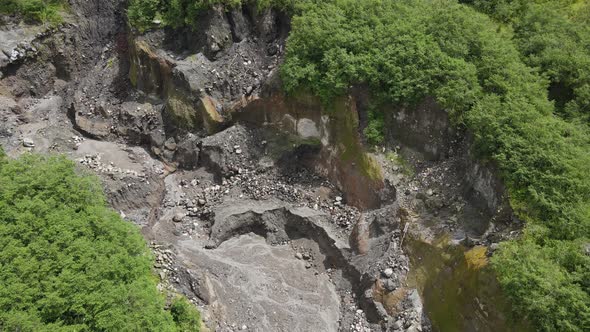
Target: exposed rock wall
[425,127]
[154,74]
[484,186]
[342,158]
[199,93]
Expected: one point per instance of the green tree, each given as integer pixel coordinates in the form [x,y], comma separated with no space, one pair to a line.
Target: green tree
[35,10]
[68,263]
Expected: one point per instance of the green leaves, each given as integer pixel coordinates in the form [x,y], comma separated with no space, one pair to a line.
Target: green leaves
[68,263]
[554,37]
[186,13]
[550,295]
[44,11]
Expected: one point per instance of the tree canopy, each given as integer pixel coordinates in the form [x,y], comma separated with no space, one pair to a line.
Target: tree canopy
[35,10]
[69,263]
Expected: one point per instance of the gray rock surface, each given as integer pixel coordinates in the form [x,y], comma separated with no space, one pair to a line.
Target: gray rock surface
[15,42]
[264,287]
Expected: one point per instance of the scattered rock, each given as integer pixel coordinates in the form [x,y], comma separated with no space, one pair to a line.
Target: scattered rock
[28,143]
[389,285]
[178,217]
[387,272]
[170,144]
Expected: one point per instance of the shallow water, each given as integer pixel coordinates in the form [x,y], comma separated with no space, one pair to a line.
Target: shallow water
[458,287]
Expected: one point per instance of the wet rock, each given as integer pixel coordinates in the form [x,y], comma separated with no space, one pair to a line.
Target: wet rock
[240,27]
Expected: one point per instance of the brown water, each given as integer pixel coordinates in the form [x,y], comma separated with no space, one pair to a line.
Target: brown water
[459,289]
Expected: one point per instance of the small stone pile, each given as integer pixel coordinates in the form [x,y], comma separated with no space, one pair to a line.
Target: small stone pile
[95,163]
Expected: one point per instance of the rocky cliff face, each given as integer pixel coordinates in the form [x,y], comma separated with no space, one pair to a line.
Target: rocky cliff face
[194,140]
[237,81]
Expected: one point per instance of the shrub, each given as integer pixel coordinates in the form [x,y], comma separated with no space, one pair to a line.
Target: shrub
[554,36]
[186,317]
[374,130]
[185,13]
[67,261]
[44,11]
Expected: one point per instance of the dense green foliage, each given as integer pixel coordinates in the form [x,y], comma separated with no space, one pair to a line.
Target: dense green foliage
[185,315]
[408,50]
[179,13]
[374,131]
[68,263]
[34,10]
[554,36]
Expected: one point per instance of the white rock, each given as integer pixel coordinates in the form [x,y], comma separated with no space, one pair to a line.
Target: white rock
[388,272]
[28,143]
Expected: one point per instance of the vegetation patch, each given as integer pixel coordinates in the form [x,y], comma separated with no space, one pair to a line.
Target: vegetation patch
[144,14]
[406,168]
[40,11]
[68,262]
[553,36]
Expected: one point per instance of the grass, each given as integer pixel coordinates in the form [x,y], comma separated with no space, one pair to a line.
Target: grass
[406,168]
[36,11]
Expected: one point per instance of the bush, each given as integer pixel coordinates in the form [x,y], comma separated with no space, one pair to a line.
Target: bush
[408,50]
[185,13]
[374,130]
[554,36]
[68,263]
[44,11]
[186,317]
